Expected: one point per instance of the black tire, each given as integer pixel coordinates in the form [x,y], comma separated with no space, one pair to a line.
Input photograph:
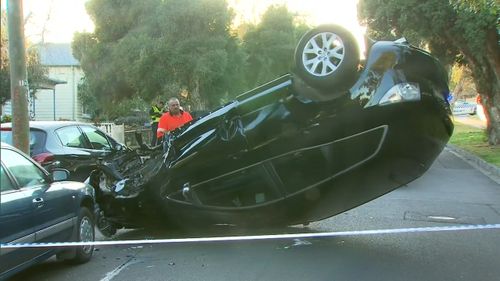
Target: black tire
[84,233]
[106,228]
[327,58]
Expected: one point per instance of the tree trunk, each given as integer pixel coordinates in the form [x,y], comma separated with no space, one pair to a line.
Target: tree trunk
[492,112]
[197,100]
[457,91]
[486,73]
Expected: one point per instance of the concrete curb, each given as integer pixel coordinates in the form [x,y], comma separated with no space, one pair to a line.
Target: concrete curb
[486,168]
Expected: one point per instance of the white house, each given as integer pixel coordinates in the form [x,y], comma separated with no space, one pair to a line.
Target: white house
[57,99]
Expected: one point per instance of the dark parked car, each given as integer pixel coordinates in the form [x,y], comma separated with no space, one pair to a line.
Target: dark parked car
[333,134]
[37,206]
[74,146]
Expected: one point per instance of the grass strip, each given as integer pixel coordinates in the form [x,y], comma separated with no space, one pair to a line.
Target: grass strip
[475,141]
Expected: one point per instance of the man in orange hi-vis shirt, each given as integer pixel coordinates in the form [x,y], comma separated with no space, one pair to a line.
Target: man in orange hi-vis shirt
[173,119]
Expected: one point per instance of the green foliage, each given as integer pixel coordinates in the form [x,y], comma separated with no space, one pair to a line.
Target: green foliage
[88,99]
[35,71]
[270,45]
[203,56]
[4,63]
[6,119]
[461,82]
[114,19]
[168,47]
[159,48]
[446,26]
[466,32]
[421,22]
[475,141]
[474,18]
[128,107]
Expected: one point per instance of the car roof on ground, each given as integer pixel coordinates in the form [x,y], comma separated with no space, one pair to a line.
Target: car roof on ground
[47,124]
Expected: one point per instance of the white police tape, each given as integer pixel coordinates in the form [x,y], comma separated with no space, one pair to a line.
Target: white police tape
[253,237]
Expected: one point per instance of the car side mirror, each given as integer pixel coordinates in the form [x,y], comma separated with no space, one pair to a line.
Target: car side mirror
[119,147]
[59,174]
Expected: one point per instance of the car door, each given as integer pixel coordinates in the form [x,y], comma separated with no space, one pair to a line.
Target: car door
[100,144]
[76,154]
[52,204]
[16,217]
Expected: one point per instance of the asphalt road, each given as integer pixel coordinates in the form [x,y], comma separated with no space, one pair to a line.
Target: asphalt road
[451,193]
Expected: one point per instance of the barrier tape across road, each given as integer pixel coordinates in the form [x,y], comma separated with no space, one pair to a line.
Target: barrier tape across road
[254,237]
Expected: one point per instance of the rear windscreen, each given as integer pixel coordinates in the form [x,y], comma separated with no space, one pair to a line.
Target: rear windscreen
[37,139]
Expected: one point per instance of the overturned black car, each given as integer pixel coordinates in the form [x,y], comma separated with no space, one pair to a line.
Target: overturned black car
[328,137]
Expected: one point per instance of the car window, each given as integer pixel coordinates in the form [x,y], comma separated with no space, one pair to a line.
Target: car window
[5,183]
[6,136]
[37,138]
[71,136]
[24,171]
[97,139]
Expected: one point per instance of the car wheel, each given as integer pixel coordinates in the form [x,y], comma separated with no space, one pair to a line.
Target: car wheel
[106,228]
[327,57]
[84,233]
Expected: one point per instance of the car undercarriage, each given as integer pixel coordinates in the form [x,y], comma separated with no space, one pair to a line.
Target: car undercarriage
[331,135]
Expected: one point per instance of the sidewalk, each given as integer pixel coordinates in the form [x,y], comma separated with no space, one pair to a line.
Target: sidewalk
[486,168]
[491,171]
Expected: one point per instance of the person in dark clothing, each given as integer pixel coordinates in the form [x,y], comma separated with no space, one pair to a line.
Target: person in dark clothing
[155,113]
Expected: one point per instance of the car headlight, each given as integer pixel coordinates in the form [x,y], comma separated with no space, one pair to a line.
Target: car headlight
[400,93]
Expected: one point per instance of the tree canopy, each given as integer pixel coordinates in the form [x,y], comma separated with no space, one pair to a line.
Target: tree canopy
[271,43]
[35,71]
[4,64]
[159,48]
[456,31]
[182,48]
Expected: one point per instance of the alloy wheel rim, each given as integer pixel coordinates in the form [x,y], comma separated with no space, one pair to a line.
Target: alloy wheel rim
[86,234]
[323,54]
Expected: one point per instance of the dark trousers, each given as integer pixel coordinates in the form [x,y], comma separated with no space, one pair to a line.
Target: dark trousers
[154,128]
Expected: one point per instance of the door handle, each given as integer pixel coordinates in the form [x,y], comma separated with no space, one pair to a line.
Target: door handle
[79,157]
[38,202]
